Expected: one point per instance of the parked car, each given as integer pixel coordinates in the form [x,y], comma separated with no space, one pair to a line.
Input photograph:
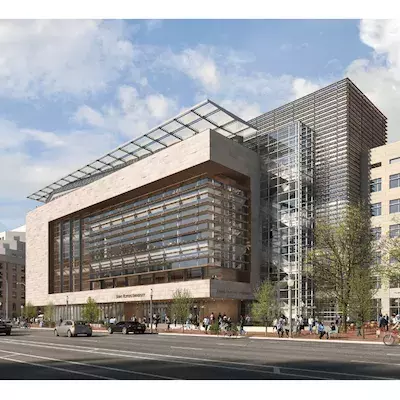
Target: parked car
[73,328]
[126,327]
[5,328]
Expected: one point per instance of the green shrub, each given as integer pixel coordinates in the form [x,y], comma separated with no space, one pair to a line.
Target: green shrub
[214,328]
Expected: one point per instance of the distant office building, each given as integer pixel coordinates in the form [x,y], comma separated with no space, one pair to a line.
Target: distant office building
[185,207]
[12,272]
[385,210]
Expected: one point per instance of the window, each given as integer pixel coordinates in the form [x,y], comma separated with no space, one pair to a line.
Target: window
[394,181]
[376,209]
[394,160]
[394,283]
[394,306]
[376,232]
[376,165]
[376,282]
[394,206]
[378,258]
[375,185]
[394,230]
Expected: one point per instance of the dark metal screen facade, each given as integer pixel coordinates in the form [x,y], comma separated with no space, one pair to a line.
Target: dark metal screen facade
[346,125]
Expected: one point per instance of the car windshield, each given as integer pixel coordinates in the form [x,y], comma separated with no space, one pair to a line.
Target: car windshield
[80,323]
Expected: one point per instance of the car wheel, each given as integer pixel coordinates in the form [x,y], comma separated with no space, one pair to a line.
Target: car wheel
[124,331]
[89,335]
[8,333]
[69,334]
[110,331]
[55,332]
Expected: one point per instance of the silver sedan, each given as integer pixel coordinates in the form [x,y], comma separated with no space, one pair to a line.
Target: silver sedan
[73,328]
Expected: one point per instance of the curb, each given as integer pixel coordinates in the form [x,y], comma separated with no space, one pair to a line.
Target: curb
[318,341]
[201,335]
[276,339]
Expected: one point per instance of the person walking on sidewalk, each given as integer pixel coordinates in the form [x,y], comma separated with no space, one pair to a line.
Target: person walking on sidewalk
[206,323]
[310,324]
[168,322]
[241,332]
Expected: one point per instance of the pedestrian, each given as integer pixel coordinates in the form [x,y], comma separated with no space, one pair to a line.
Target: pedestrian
[310,324]
[212,318]
[168,322]
[206,323]
[396,321]
[387,322]
[321,330]
[242,320]
[175,320]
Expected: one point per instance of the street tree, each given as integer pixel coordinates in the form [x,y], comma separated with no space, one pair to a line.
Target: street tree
[90,311]
[266,305]
[181,305]
[29,311]
[341,248]
[49,312]
[362,291]
[389,248]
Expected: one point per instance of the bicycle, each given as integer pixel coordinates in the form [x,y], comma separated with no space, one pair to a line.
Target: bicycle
[391,337]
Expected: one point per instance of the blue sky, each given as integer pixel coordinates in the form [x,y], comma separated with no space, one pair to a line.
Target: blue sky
[72,90]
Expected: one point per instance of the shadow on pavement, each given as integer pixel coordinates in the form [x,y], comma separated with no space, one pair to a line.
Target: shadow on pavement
[126,369]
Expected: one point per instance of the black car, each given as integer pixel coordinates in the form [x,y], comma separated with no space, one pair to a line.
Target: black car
[5,328]
[126,327]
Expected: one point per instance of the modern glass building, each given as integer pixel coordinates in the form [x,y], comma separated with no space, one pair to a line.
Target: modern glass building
[287,158]
[205,202]
[185,217]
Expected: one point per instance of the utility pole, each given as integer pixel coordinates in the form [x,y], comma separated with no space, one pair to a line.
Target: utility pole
[6,291]
[151,310]
[290,285]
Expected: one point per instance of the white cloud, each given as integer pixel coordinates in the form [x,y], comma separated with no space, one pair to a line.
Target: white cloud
[153,24]
[303,87]
[234,81]
[45,57]
[131,115]
[198,64]
[86,114]
[379,76]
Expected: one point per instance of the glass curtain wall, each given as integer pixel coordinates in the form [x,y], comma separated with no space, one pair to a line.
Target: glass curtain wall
[193,231]
[287,210]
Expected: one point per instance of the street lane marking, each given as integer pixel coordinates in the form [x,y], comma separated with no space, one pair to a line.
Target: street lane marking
[87,365]
[205,362]
[232,344]
[56,368]
[186,348]
[394,355]
[70,348]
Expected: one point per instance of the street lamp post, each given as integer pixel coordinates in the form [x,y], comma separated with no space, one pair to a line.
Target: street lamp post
[66,309]
[6,276]
[290,283]
[151,310]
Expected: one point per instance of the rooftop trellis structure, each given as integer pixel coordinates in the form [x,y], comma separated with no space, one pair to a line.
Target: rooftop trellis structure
[205,115]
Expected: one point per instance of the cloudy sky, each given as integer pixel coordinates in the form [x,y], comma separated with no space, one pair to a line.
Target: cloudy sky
[72,90]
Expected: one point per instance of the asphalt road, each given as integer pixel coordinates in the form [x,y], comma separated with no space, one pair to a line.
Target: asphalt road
[37,354]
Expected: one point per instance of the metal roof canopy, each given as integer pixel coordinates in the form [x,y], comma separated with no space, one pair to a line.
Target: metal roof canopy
[205,115]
